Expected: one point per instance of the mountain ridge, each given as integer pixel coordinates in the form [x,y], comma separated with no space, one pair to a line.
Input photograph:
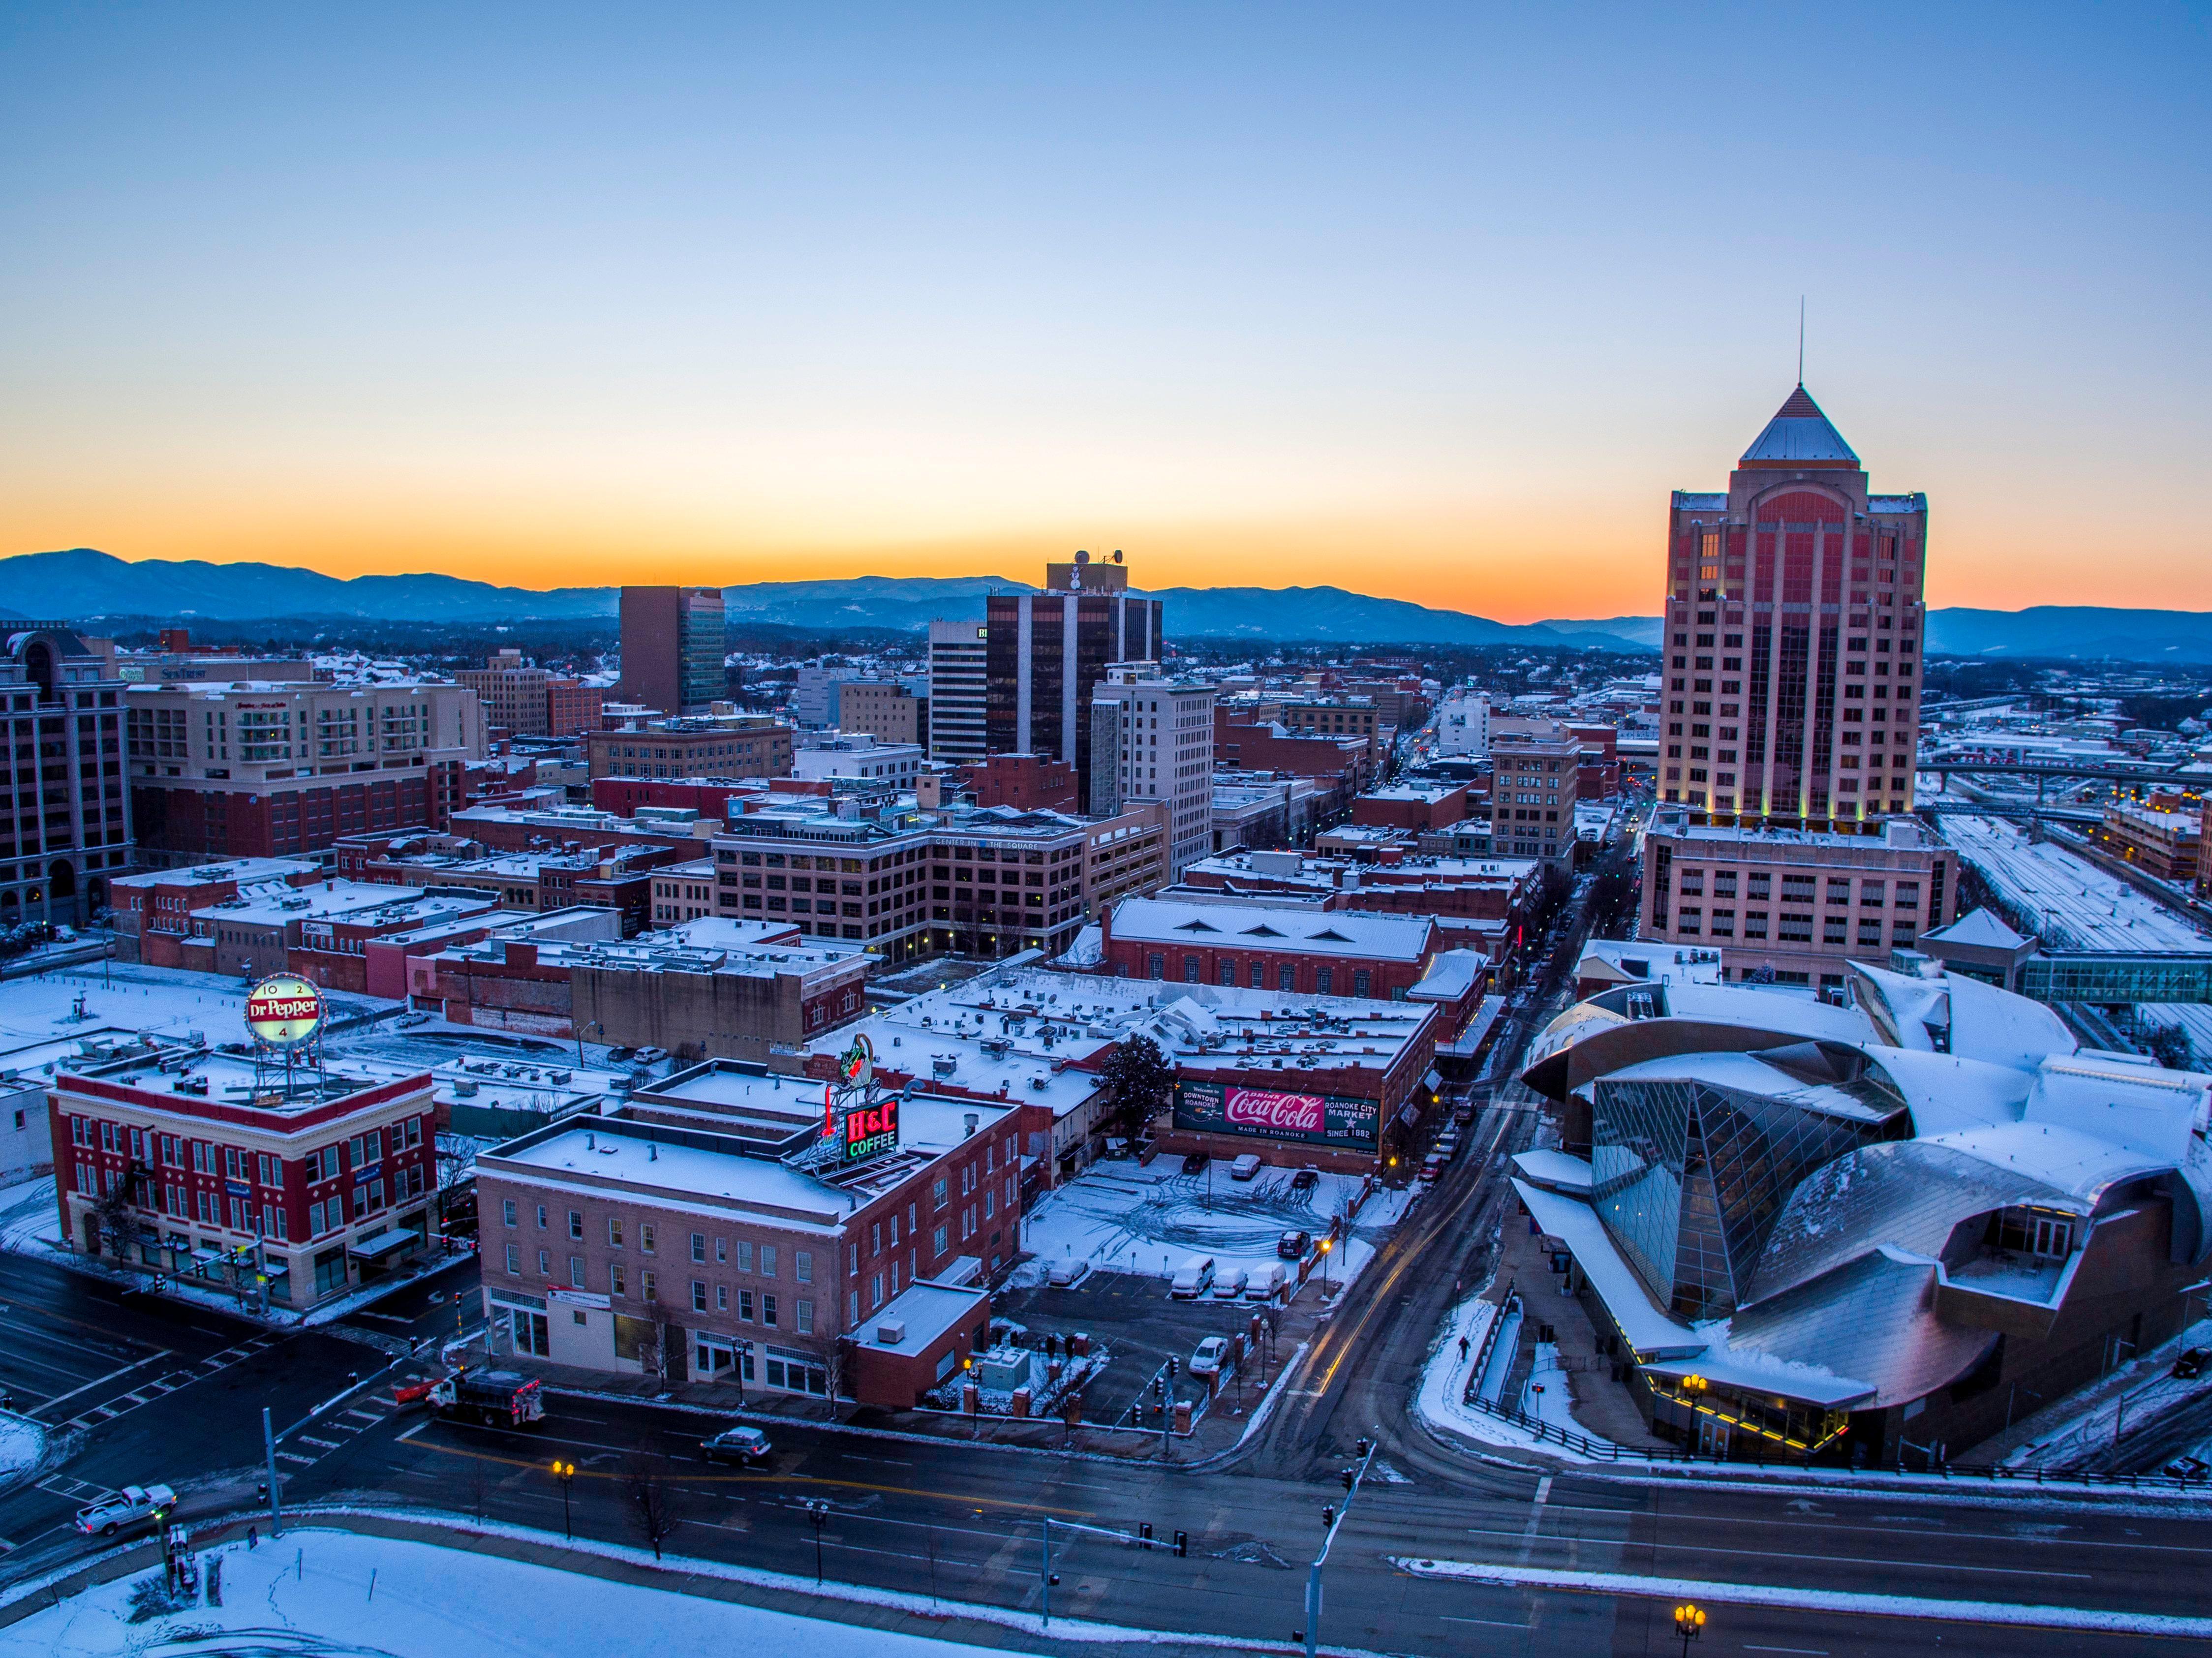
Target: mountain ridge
[78,584]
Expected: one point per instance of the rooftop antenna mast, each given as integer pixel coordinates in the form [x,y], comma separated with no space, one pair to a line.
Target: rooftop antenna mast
[1801,342]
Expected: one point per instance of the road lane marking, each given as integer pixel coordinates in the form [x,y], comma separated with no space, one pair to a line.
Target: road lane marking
[288,1456]
[2072,1542]
[1490,1623]
[110,1376]
[1776,1554]
[1807,1652]
[1851,1602]
[1024,1505]
[1535,1518]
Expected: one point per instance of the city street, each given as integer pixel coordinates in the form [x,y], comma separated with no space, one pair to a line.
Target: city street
[156,1390]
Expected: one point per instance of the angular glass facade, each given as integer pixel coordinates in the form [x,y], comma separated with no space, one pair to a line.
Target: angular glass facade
[1689,1177]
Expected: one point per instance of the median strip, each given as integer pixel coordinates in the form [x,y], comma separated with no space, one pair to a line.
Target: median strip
[2007,1613]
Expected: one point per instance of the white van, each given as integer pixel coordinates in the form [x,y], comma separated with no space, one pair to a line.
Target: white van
[1230,1285]
[1267,1283]
[1193,1278]
[1245,1167]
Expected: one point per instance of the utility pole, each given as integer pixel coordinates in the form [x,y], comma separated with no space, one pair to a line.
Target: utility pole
[1048,1577]
[268,1449]
[1332,1518]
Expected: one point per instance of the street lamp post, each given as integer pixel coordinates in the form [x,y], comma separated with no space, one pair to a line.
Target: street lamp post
[1690,1625]
[566,1473]
[593,1025]
[818,1512]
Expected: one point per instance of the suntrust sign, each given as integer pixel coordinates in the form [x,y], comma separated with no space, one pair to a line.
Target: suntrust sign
[1353,1124]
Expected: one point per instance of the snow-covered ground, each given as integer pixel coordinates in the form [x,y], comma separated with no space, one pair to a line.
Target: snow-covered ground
[1124,1218]
[22,1441]
[1439,1400]
[2086,1422]
[319,1594]
[2075,904]
[30,1219]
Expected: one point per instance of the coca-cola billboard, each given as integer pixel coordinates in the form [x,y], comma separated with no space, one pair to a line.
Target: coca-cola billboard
[1264,1113]
[1254,1107]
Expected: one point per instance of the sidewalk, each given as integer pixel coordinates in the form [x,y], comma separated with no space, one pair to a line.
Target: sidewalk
[1600,1406]
[1218,1431]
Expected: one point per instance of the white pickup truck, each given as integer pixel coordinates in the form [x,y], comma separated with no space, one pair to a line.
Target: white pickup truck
[126,1508]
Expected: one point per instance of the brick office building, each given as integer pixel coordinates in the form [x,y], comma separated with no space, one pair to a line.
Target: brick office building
[714,989]
[522,699]
[744,745]
[65,826]
[684,1235]
[1793,633]
[1795,904]
[251,770]
[1296,950]
[153,911]
[1417,807]
[321,1191]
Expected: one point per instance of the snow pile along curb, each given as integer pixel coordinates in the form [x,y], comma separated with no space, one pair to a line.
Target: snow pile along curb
[1837,1601]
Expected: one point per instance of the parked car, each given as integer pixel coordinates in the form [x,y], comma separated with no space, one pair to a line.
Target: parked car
[1209,1356]
[1245,1167]
[1430,1170]
[651,1055]
[1066,1274]
[417,1016]
[615,1056]
[129,1506]
[1306,1179]
[743,1446]
[1194,1163]
[1463,1116]
[2192,1364]
[1193,1278]
[1293,1245]
[1229,1286]
[1266,1282]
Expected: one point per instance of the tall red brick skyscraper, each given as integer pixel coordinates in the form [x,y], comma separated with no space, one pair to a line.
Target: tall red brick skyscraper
[1794,620]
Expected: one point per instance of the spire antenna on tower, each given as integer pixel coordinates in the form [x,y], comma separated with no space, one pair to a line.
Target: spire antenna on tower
[1801,339]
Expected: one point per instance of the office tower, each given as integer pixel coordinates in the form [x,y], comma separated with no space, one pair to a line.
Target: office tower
[672,649]
[1794,620]
[64,816]
[1048,650]
[1152,738]
[959,654]
[258,770]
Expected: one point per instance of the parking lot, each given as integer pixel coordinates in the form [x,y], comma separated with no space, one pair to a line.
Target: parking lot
[1132,1317]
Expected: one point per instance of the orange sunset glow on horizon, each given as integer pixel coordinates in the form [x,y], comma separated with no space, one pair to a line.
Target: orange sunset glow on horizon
[1373,304]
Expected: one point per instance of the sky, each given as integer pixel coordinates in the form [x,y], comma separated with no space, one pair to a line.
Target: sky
[1432,302]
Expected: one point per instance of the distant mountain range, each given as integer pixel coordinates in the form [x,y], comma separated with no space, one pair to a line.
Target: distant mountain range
[83,585]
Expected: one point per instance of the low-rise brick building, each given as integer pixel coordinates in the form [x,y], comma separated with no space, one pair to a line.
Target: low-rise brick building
[700,1234]
[195,1163]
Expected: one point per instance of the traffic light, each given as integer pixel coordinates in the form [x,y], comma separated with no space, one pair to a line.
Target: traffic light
[1361,1447]
[1181,1545]
[1351,1478]
[1159,1386]
[1144,1533]
[1175,1366]
[1328,1515]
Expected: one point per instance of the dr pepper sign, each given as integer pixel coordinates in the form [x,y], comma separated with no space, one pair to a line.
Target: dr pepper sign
[284,1009]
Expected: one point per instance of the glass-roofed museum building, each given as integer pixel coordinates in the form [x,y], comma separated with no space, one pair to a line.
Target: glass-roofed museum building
[1852,1231]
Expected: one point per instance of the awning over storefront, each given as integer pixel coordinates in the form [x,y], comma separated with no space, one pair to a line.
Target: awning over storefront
[384,1244]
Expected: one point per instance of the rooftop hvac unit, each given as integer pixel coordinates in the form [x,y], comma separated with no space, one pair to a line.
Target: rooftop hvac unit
[891,1331]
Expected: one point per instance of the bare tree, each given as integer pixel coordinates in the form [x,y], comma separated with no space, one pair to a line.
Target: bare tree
[116,1212]
[838,1363]
[651,1505]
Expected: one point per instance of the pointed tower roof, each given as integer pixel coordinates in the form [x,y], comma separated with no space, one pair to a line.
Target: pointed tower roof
[1799,436]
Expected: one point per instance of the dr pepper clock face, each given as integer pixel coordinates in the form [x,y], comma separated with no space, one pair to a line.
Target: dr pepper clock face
[284,1009]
